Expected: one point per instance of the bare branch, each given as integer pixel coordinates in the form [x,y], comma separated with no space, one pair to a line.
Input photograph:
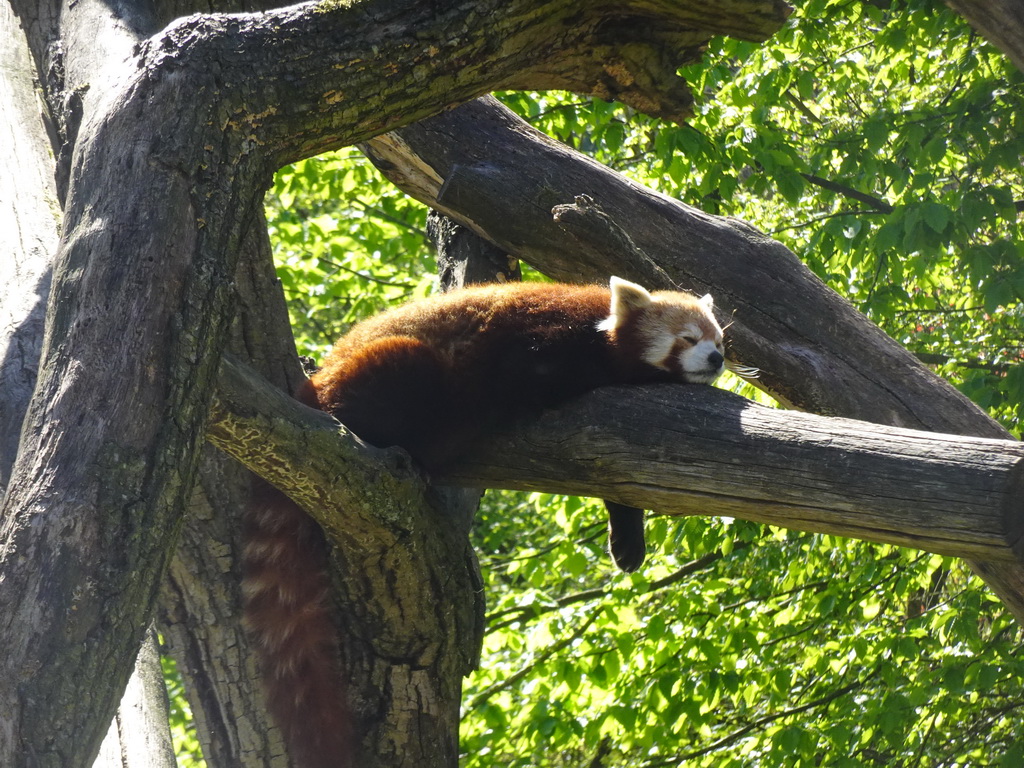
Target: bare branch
[877,203]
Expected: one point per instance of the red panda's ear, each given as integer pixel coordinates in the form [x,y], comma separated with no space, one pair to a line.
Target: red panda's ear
[627,298]
[707,302]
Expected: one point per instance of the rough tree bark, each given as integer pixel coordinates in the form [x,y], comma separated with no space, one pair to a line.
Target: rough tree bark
[138,736]
[199,611]
[163,147]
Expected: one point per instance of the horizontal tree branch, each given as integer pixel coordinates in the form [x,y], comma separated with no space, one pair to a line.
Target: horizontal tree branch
[761,722]
[696,450]
[841,189]
[510,616]
[678,450]
[934,358]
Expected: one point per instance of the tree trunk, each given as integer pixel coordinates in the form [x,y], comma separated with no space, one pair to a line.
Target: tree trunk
[138,737]
[200,605]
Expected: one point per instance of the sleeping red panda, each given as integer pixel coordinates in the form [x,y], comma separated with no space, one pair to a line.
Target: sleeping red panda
[431,376]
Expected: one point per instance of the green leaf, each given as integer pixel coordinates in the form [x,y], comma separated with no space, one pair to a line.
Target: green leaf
[936,216]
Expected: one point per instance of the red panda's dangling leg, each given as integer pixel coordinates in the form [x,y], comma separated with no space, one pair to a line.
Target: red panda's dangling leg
[626,536]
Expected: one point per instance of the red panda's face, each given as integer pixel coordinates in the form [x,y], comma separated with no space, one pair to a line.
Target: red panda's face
[682,336]
[700,359]
[675,331]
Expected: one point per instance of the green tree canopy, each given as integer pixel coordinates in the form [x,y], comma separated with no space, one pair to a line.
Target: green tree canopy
[882,143]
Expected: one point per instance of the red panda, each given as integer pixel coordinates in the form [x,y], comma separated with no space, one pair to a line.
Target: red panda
[431,376]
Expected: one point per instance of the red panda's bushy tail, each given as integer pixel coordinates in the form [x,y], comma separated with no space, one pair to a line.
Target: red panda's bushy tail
[288,612]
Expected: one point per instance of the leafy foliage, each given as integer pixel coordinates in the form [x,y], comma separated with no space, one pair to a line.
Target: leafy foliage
[882,142]
[347,245]
[183,730]
[735,646]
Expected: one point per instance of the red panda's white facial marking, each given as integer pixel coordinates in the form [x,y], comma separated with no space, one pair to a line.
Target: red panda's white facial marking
[676,332]
[703,362]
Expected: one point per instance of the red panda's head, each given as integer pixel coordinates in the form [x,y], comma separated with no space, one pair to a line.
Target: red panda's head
[670,330]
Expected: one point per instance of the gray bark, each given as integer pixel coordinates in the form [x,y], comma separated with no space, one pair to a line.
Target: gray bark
[200,604]
[464,258]
[138,736]
[29,222]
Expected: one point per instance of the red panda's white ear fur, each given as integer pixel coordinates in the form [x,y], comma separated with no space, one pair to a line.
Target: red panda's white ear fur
[627,299]
[707,302]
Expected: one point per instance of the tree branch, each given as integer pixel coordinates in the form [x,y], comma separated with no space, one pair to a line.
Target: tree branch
[344,72]
[814,350]
[512,615]
[321,466]
[877,203]
[515,677]
[673,449]
[404,595]
[761,722]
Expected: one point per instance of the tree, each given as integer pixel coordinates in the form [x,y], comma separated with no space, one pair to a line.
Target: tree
[193,180]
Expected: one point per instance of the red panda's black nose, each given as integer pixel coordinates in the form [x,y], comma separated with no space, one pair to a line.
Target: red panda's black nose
[715,359]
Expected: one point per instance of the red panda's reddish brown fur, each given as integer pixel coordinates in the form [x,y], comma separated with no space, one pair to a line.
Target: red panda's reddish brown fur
[287,610]
[431,376]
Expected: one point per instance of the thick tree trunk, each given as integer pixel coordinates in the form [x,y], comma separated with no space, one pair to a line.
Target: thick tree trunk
[814,349]
[138,737]
[200,606]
